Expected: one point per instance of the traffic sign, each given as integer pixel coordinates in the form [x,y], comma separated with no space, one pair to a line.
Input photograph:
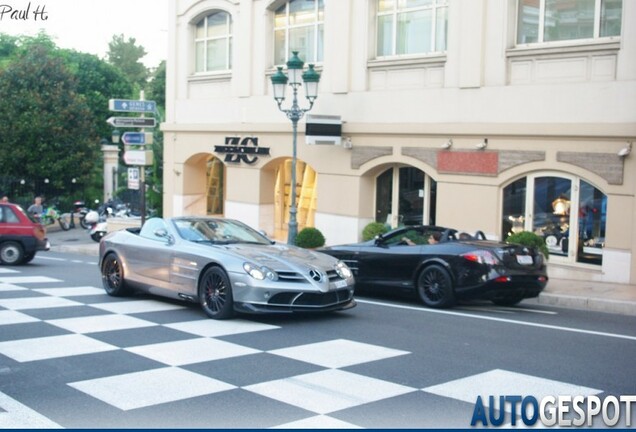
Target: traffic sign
[133,178]
[141,122]
[137,138]
[138,157]
[124,105]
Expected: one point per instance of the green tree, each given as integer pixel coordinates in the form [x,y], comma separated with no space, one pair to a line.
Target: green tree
[154,179]
[47,127]
[126,55]
[98,82]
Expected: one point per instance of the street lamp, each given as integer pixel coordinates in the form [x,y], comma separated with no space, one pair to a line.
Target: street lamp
[279,83]
[115,136]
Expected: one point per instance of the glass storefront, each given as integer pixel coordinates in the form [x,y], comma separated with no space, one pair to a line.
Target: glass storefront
[415,193]
[556,207]
[215,175]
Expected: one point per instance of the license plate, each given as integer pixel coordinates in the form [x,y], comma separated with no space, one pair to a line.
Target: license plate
[340,284]
[524,259]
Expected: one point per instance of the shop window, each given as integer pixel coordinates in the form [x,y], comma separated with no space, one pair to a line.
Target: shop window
[306,181]
[213,43]
[411,27]
[569,213]
[215,175]
[562,20]
[415,192]
[299,26]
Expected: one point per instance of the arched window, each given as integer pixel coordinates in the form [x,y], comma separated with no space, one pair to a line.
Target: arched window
[213,43]
[568,212]
[299,26]
[405,196]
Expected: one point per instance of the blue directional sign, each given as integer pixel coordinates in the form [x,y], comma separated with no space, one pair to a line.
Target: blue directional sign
[124,105]
[137,138]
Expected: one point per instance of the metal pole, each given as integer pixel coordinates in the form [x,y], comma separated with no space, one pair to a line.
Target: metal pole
[142,186]
[293,224]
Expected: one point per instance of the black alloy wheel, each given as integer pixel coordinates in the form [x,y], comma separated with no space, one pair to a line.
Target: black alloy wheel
[113,276]
[11,253]
[435,287]
[215,294]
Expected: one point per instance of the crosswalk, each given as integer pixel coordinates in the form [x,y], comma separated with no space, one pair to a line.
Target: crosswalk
[98,361]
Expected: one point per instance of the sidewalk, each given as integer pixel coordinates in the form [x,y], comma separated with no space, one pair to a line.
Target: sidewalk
[566,293]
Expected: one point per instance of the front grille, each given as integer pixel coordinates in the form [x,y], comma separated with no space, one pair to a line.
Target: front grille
[290,277]
[310,299]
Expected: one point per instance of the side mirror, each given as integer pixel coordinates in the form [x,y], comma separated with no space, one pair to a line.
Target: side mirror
[379,239]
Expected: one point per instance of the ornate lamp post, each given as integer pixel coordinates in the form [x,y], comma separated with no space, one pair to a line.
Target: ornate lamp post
[279,82]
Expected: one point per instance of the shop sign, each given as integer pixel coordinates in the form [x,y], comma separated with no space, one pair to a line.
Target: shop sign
[237,150]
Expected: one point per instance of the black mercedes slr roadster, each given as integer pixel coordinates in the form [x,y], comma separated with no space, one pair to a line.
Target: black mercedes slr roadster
[444,266]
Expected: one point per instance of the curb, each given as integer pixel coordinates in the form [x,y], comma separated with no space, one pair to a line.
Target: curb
[623,307]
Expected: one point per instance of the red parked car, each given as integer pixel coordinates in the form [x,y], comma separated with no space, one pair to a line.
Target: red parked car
[21,236]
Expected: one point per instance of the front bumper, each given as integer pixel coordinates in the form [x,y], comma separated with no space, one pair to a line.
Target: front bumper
[274,308]
[254,296]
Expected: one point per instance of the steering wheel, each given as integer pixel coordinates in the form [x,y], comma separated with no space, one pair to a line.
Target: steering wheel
[479,235]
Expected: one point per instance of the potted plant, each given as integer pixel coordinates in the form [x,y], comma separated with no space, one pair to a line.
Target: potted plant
[530,239]
[373,229]
[310,238]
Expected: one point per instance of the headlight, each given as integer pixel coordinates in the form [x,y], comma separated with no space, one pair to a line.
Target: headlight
[343,271]
[259,273]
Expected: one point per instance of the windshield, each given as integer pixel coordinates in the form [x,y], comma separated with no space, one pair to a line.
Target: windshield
[218,231]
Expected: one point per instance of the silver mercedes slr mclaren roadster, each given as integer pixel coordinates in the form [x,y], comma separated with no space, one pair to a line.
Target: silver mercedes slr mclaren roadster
[224,265]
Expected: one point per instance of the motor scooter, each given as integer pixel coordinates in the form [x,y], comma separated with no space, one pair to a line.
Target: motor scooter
[97,225]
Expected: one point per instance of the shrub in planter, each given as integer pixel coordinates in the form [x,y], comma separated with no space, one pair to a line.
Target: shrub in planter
[373,229]
[530,239]
[310,238]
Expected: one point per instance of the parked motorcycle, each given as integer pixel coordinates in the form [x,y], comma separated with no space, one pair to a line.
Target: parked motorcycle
[97,225]
[51,214]
[80,209]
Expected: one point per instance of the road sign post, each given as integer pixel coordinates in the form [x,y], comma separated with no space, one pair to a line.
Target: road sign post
[138,122]
[136,158]
[125,105]
[137,138]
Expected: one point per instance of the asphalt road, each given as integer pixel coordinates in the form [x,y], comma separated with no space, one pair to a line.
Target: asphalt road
[71,356]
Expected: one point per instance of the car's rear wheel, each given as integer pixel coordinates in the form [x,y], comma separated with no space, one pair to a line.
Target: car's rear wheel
[435,287]
[11,253]
[508,300]
[113,276]
[215,294]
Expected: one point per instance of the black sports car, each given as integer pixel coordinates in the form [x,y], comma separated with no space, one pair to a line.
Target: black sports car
[443,266]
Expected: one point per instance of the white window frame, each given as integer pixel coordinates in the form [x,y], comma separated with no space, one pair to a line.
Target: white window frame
[228,40]
[435,6]
[287,27]
[596,36]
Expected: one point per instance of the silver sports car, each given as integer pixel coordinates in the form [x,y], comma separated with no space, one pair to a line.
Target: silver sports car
[224,265]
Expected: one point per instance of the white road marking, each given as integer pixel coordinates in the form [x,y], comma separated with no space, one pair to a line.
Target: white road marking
[509,321]
[18,416]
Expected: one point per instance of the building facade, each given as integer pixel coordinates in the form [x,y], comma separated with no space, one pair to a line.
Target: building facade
[492,115]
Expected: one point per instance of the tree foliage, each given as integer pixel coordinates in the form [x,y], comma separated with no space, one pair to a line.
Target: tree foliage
[47,127]
[125,55]
[98,82]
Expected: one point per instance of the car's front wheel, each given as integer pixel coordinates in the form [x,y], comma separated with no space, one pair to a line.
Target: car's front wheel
[113,276]
[215,294]
[435,287]
[11,253]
